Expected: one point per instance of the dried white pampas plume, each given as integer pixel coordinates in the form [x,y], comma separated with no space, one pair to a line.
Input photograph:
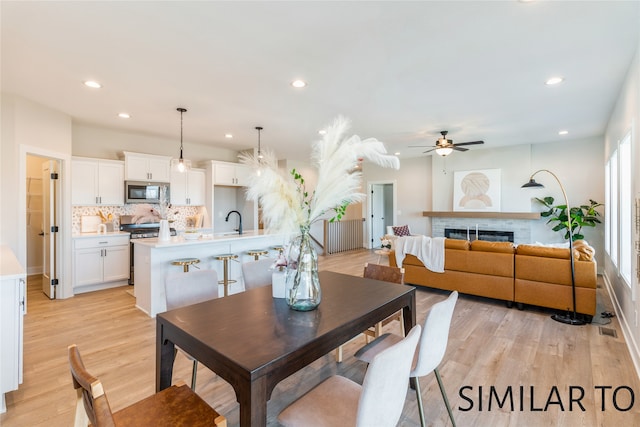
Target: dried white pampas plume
[288,205]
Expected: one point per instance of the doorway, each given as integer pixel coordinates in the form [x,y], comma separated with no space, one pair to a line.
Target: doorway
[42,210]
[382,207]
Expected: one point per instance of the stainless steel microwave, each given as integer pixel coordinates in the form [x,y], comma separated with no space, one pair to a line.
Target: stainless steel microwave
[144,192]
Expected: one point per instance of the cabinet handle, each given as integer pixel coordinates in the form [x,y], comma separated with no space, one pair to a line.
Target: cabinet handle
[97,200]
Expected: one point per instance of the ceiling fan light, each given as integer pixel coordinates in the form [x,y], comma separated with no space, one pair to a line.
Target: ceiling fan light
[444,151]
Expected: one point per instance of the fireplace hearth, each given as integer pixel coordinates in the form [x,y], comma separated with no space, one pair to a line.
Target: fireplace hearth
[487,235]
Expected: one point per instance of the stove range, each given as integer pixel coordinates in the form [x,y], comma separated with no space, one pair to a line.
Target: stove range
[139,231]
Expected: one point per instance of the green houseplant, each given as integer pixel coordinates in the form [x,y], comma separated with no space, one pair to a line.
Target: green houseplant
[581,216]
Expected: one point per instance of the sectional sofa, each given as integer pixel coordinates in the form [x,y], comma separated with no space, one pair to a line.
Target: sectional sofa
[526,274]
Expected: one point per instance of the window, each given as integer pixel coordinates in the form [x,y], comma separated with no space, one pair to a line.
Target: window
[613,218]
[624,181]
[607,207]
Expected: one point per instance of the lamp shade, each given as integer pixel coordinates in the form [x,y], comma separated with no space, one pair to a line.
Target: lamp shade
[532,184]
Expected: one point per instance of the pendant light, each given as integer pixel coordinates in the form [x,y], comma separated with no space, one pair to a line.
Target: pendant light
[260,156]
[181,165]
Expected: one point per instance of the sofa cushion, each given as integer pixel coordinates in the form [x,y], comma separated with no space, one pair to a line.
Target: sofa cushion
[543,251]
[402,230]
[500,247]
[463,245]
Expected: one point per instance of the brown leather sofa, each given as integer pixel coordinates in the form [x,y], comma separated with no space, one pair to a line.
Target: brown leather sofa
[543,277]
[528,274]
[477,268]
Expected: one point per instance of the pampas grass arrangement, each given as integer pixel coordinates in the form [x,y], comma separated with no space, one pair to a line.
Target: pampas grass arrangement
[287,204]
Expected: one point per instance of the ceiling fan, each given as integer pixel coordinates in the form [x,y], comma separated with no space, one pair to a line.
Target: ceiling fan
[445,146]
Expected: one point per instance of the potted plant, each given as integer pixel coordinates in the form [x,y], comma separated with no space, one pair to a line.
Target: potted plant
[581,216]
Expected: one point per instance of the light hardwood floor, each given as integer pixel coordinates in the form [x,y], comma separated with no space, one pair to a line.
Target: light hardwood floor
[489,346]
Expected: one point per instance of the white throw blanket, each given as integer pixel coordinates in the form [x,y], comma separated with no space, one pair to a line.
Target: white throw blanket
[430,251]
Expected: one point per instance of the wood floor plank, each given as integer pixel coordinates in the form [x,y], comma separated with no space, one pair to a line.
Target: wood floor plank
[490,345]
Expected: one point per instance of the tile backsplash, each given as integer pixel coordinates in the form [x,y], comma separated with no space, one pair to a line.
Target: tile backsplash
[178,214]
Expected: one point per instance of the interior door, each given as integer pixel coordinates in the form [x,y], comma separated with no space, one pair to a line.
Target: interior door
[49,226]
[377,214]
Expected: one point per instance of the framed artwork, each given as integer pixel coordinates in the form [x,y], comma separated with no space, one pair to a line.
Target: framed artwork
[476,190]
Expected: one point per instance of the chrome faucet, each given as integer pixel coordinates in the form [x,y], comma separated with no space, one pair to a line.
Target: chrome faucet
[239,230]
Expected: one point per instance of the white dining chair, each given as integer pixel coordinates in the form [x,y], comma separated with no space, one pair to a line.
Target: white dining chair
[431,349]
[182,289]
[339,401]
[257,273]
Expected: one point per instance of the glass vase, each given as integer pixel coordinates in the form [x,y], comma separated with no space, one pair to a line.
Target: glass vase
[301,280]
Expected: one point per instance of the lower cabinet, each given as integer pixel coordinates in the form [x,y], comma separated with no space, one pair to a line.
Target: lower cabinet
[100,260]
[12,310]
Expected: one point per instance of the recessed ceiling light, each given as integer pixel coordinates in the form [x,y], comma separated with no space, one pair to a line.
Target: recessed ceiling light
[298,83]
[554,81]
[92,84]
[124,116]
[322,132]
[228,135]
[563,132]
[397,153]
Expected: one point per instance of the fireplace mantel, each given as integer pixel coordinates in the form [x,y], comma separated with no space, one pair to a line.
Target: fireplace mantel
[497,215]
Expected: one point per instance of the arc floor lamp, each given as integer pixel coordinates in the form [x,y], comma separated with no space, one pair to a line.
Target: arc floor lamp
[572,318]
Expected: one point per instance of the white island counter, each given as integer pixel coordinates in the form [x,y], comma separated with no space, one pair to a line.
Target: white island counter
[152,262]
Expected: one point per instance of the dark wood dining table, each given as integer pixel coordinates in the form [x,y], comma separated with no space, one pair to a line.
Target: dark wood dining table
[253,341]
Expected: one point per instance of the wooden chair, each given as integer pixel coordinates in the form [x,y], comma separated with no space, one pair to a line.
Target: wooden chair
[431,349]
[176,405]
[188,288]
[257,273]
[387,274]
[338,401]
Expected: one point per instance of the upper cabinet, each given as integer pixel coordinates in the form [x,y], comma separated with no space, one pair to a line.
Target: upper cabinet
[227,173]
[188,188]
[147,167]
[97,182]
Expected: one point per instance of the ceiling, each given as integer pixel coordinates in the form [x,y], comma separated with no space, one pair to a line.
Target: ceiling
[401,71]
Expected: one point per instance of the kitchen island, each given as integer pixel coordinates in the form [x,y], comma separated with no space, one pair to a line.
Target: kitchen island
[152,260]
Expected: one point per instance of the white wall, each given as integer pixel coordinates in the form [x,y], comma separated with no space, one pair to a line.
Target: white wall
[413,187]
[104,143]
[626,117]
[514,164]
[577,163]
[30,128]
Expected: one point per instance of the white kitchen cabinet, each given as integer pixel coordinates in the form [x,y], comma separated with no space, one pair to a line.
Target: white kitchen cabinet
[232,174]
[97,182]
[187,188]
[147,167]
[100,259]
[12,310]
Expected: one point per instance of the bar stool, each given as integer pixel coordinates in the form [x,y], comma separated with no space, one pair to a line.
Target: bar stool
[185,263]
[278,248]
[225,262]
[256,253]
